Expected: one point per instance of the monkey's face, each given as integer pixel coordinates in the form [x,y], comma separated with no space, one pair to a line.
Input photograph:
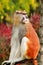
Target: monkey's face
[20,18]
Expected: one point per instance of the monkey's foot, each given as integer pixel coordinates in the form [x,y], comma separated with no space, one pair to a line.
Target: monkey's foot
[6,63]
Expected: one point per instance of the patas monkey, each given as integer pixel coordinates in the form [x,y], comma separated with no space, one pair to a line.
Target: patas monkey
[24,41]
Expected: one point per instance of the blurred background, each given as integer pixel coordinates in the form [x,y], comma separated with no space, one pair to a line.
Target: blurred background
[7,8]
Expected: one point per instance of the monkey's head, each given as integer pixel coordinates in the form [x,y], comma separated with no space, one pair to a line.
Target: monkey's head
[20,17]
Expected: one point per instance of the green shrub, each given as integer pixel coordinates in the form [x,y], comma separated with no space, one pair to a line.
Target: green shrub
[7,7]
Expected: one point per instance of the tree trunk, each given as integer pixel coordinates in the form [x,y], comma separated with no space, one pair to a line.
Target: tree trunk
[41,31]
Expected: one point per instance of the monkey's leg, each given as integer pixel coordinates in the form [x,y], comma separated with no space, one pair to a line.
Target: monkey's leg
[15,51]
[23,50]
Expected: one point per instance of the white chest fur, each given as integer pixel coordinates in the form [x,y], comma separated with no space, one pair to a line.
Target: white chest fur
[15,45]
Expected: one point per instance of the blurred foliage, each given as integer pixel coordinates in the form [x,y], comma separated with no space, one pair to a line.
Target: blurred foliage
[7,7]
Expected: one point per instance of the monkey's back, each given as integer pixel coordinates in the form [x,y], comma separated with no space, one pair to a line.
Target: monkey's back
[32,47]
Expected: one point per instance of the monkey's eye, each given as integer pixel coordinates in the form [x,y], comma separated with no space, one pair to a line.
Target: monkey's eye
[23,18]
[23,21]
[26,16]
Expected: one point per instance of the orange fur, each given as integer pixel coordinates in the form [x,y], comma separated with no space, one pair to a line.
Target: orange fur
[33,47]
